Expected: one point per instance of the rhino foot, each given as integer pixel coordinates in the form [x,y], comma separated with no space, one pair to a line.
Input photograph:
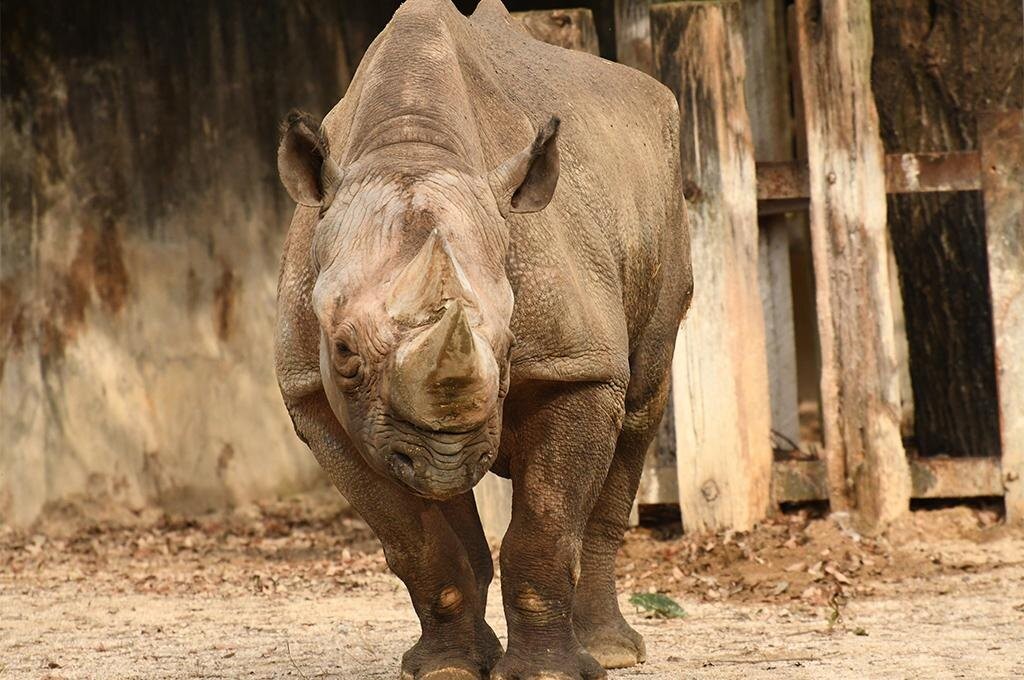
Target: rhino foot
[434,659]
[615,645]
[579,666]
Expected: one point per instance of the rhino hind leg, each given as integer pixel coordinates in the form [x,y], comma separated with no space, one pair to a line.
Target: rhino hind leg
[597,620]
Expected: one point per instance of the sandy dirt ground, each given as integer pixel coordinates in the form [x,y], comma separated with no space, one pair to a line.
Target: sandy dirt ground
[298,589]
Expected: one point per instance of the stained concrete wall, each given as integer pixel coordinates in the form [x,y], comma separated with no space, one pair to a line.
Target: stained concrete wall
[142,226]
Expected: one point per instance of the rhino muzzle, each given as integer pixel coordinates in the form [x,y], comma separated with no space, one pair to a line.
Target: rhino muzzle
[439,465]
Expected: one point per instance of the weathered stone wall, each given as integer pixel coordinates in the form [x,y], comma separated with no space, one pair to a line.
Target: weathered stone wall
[142,226]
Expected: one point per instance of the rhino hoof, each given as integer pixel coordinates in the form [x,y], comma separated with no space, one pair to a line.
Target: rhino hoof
[579,666]
[444,673]
[617,648]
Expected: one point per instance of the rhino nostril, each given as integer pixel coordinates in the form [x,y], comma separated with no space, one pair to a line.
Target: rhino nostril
[402,466]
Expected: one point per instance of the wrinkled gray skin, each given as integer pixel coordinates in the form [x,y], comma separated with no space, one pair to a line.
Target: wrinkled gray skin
[468,285]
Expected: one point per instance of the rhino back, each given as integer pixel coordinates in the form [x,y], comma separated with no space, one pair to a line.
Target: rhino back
[590,269]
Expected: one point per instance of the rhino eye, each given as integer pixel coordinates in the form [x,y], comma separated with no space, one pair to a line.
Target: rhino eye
[346,361]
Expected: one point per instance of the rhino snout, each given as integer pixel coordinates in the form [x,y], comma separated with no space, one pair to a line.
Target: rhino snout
[441,466]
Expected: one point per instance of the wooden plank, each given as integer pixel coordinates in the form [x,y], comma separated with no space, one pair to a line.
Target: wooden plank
[782,180]
[798,481]
[905,173]
[769,107]
[572,29]
[1001,137]
[941,477]
[722,413]
[899,329]
[934,477]
[867,466]
[916,173]
[633,34]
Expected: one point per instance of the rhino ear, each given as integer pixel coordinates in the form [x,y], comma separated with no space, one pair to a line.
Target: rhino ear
[304,161]
[526,182]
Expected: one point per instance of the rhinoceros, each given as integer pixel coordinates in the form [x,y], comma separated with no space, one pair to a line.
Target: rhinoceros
[486,270]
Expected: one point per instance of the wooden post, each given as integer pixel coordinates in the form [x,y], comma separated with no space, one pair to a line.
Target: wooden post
[867,465]
[633,34]
[722,413]
[767,93]
[572,29]
[1001,137]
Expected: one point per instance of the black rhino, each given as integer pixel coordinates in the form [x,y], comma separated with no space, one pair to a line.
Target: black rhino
[486,271]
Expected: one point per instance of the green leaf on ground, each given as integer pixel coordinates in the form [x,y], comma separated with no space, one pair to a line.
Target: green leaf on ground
[657,605]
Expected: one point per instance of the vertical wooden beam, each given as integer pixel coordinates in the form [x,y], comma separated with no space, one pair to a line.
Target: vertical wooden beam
[780,338]
[633,34]
[868,468]
[572,29]
[769,106]
[1001,137]
[722,413]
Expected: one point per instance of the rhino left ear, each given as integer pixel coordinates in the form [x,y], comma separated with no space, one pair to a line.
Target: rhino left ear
[526,182]
[304,161]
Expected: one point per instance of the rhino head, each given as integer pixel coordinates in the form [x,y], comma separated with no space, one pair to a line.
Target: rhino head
[412,298]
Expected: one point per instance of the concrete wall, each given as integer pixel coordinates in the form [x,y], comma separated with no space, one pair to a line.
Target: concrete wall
[142,225]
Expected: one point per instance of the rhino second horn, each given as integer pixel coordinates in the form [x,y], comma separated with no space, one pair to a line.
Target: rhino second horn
[445,379]
[429,280]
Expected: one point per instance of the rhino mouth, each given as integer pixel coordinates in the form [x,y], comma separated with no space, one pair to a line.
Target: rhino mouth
[438,464]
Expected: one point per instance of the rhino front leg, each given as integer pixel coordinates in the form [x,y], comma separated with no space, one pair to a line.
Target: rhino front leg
[421,548]
[462,515]
[561,452]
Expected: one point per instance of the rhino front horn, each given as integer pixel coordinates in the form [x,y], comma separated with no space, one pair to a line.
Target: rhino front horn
[445,379]
[427,283]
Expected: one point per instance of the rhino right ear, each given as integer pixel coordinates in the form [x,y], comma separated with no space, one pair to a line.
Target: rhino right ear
[304,161]
[525,183]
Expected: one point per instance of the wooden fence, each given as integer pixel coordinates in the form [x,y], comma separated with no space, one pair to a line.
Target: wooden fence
[739,445]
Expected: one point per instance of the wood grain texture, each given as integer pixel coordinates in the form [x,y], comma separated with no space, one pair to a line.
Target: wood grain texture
[780,340]
[931,477]
[769,107]
[867,465]
[722,412]
[633,34]
[572,29]
[1001,137]
[935,66]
